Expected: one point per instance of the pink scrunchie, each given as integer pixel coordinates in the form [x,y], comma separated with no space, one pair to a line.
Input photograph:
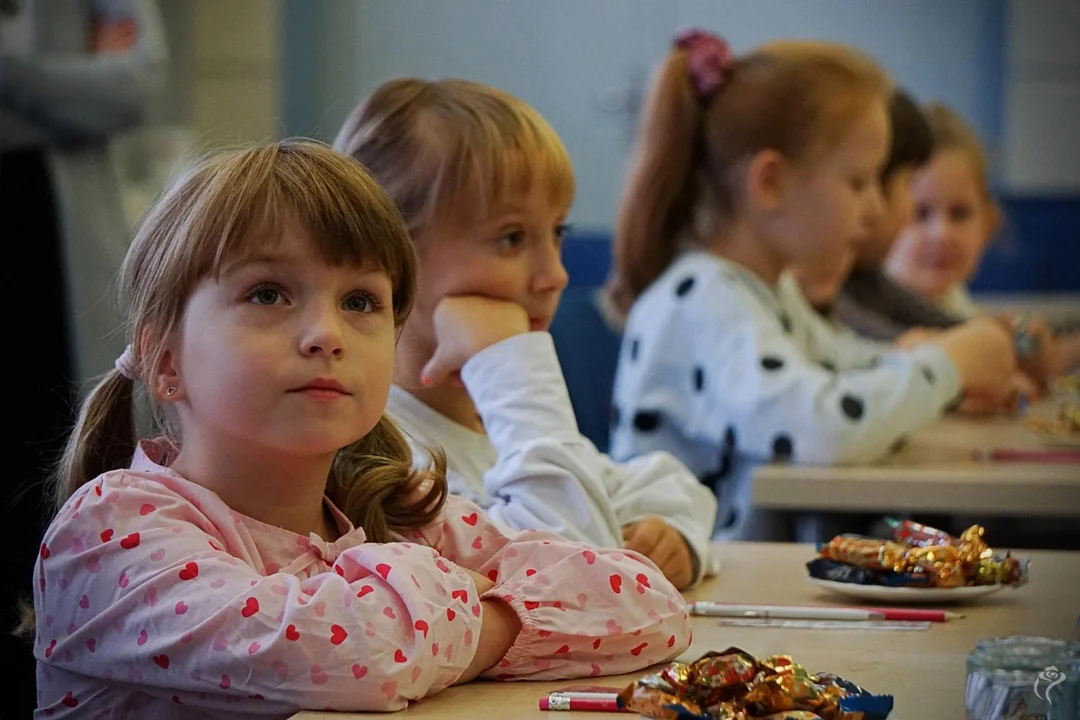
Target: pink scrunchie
[709,58]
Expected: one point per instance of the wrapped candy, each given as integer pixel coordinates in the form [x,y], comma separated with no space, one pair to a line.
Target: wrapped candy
[941,563]
[734,685]
[917,556]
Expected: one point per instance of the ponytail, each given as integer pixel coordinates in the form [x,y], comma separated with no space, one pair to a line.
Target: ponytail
[658,207]
[103,438]
[375,485]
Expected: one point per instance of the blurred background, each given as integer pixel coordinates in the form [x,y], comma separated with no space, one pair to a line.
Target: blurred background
[243,70]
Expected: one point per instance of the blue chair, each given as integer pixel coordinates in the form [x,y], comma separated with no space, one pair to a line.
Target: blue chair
[588,351]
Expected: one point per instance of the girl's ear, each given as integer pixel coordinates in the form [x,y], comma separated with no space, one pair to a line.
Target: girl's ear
[766,180]
[165,384]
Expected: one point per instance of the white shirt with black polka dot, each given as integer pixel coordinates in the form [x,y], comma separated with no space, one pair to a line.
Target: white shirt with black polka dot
[727,373]
[532,469]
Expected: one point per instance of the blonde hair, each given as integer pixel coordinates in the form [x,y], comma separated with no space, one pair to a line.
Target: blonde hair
[214,214]
[951,132]
[796,97]
[453,147]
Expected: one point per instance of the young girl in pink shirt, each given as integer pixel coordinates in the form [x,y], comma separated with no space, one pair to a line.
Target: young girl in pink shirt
[275,549]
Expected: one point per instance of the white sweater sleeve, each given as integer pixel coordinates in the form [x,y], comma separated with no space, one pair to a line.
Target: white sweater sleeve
[546,477]
[548,471]
[784,404]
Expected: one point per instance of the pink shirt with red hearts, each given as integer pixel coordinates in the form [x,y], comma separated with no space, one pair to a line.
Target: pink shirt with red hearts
[155,599]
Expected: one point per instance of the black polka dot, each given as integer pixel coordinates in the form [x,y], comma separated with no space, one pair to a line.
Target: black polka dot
[699,378]
[634,345]
[727,459]
[928,374]
[828,366]
[685,285]
[782,447]
[852,406]
[900,444]
[614,415]
[771,362]
[646,420]
[785,322]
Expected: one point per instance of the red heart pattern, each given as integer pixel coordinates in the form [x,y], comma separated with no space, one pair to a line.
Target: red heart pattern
[251,606]
[337,634]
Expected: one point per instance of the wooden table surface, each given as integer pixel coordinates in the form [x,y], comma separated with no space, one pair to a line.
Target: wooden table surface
[924,670]
[936,472]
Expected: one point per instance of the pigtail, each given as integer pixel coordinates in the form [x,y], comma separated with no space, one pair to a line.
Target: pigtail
[376,486]
[103,438]
[660,199]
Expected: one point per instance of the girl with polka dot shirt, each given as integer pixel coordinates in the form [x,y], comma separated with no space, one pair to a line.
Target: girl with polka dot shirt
[746,166]
[485,185]
[275,549]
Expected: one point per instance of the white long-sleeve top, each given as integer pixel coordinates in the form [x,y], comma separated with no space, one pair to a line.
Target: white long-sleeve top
[726,373]
[534,470]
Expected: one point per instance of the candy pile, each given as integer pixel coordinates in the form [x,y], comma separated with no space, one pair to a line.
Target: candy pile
[1067,423]
[917,556]
[734,685]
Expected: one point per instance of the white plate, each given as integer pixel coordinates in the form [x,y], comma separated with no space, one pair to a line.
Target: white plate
[906,595]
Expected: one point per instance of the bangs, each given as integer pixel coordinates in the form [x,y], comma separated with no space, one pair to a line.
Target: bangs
[496,149]
[243,203]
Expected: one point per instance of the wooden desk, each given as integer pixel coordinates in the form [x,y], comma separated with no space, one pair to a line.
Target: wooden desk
[935,472]
[924,670]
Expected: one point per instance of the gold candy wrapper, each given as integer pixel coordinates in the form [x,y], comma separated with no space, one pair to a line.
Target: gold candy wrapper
[917,549]
[734,685]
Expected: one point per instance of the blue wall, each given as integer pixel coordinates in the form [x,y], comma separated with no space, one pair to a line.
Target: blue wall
[1038,250]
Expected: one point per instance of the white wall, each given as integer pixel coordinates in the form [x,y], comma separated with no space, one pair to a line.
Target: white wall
[584,63]
[1041,143]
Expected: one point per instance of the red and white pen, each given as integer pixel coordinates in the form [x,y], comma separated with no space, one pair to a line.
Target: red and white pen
[1026,455]
[581,701]
[812,612]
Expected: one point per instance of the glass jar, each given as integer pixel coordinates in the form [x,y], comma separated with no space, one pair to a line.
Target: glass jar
[1023,678]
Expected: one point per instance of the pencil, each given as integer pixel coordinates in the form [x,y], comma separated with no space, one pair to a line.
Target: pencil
[804,612]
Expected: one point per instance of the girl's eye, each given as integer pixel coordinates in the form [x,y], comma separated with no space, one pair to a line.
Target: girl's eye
[266,295]
[959,213]
[922,213]
[513,239]
[362,302]
[561,231]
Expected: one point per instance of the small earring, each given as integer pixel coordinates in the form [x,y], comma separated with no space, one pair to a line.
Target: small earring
[171,390]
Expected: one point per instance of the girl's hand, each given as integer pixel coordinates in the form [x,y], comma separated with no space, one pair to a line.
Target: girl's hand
[665,546]
[499,628]
[982,351]
[464,326]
